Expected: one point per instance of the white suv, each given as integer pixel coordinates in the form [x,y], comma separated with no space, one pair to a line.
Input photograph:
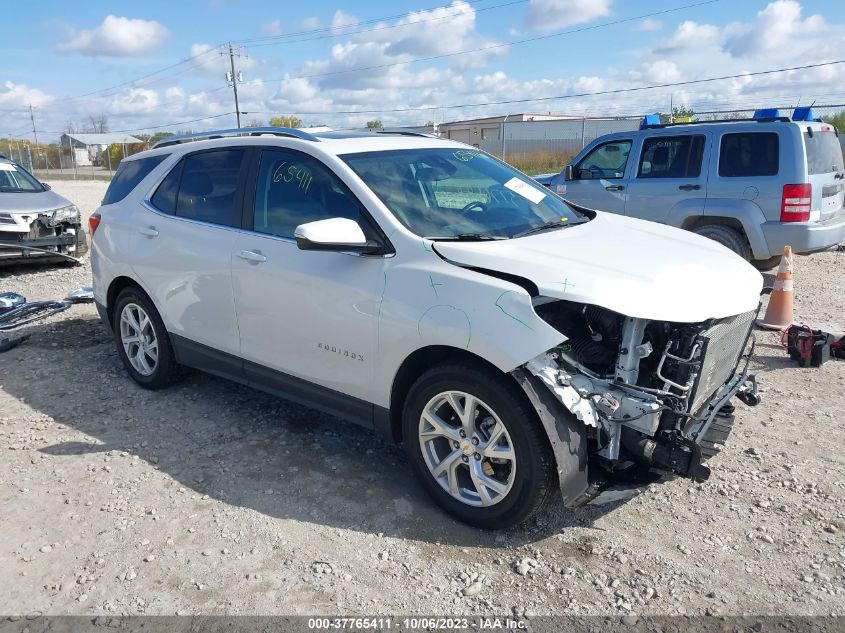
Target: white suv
[514,343]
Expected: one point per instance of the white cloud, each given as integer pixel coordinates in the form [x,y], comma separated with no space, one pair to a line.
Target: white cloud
[650,24]
[778,28]
[21,95]
[691,36]
[309,23]
[270,28]
[341,19]
[551,15]
[116,37]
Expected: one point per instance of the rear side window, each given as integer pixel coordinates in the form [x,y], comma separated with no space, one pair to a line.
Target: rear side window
[748,154]
[824,153]
[128,175]
[204,187]
[671,157]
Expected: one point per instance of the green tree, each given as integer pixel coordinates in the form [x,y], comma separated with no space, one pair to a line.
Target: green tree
[375,124]
[837,120]
[286,121]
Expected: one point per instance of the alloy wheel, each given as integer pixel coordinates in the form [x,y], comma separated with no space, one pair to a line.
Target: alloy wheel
[467,448]
[139,339]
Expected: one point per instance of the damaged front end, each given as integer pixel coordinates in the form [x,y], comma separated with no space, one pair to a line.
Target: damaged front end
[647,393]
[54,233]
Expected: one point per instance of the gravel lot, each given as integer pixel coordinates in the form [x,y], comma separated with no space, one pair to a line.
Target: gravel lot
[214,498]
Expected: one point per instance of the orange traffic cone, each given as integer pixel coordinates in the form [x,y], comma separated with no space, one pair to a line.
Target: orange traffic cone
[779,312]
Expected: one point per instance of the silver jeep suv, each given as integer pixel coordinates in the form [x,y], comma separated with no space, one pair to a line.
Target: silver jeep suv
[752,185]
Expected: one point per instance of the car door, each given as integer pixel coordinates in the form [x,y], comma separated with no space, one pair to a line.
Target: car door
[181,250]
[307,319]
[599,177]
[669,173]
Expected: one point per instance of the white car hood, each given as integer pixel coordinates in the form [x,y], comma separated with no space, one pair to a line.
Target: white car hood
[636,268]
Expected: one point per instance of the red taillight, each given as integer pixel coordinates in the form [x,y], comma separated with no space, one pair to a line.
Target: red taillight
[93,223]
[795,203]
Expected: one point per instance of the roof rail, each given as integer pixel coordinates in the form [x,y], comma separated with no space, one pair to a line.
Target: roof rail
[247,131]
[745,120]
[405,131]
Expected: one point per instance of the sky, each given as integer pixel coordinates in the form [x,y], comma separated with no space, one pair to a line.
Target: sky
[158,65]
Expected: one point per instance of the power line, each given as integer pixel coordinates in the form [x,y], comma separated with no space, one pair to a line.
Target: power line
[490,47]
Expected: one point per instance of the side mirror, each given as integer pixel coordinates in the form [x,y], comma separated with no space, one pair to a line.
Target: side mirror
[569,172]
[340,235]
[46,186]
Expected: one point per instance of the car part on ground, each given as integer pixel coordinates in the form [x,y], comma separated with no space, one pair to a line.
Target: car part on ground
[83,294]
[29,312]
[9,343]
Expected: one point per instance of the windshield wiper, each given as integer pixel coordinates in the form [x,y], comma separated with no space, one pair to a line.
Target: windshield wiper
[554,224]
[466,237]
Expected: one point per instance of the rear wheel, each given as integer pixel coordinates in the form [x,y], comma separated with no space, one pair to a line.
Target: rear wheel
[726,236]
[766,264]
[477,446]
[142,342]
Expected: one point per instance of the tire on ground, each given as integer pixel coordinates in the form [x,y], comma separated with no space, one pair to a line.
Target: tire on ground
[766,264]
[726,236]
[81,243]
[167,370]
[535,478]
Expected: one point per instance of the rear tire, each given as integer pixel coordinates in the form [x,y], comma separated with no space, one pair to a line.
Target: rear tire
[726,236]
[142,341]
[472,483]
[766,264]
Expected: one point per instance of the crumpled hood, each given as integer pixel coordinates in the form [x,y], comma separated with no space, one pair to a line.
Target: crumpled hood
[38,202]
[636,268]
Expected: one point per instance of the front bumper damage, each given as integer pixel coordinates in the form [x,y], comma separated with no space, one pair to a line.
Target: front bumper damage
[38,236]
[606,428]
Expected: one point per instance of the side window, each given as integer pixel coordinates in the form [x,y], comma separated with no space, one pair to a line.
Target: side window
[294,188]
[748,154]
[164,199]
[607,161]
[129,173]
[208,186]
[671,157]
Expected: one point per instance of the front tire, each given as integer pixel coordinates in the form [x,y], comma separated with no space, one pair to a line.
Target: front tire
[142,341]
[477,446]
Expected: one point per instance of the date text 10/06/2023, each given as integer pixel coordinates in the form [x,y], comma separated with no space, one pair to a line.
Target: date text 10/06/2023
[417,624]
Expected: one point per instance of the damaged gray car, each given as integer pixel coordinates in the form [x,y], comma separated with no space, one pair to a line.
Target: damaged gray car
[36,224]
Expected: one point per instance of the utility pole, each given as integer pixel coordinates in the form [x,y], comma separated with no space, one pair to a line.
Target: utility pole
[233,77]
[35,135]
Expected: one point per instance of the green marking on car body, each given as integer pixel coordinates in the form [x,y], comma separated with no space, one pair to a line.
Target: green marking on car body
[508,314]
[434,285]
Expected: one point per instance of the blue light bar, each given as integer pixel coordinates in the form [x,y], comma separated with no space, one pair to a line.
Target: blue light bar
[767,113]
[650,120]
[804,113]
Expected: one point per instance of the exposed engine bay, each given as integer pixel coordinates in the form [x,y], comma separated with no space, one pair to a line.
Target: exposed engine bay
[654,393]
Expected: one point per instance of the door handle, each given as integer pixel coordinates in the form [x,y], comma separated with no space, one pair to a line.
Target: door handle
[689,187]
[615,187]
[148,231]
[252,257]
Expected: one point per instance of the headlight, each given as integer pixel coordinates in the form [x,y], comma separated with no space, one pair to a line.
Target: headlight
[66,214]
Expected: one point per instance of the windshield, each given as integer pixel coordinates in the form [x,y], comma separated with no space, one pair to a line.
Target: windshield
[452,193]
[14,179]
[824,153]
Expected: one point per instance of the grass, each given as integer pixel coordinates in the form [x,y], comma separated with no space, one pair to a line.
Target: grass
[540,162]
